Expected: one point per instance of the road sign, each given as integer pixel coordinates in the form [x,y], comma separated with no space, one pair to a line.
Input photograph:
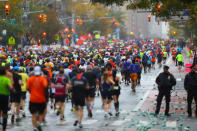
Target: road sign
[11,41]
[57,37]
[13,22]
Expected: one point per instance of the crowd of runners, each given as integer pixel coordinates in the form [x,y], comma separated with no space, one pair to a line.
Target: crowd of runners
[54,77]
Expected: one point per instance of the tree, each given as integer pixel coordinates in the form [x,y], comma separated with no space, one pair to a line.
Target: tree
[51,27]
[16,28]
[95,17]
[167,8]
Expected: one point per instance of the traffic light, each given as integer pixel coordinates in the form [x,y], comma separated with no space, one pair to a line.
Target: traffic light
[116,24]
[7,9]
[39,41]
[149,17]
[44,34]
[78,20]
[44,18]
[81,22]
[66,30]
[72,30]
[40,16]
[158,7]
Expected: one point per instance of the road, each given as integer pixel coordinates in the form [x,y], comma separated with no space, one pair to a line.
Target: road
[136,110]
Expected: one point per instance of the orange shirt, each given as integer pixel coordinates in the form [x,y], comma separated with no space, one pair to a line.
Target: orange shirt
[49,71]
[36,86]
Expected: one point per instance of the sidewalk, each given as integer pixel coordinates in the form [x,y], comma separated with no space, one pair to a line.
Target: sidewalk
[178,108]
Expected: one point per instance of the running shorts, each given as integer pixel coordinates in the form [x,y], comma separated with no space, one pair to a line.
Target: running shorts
[78,101]
[133,76]
[180,63]
[60,99]
[91,92]
[23,95]
[106,94]
[37,107]
[15,97]
[4,99]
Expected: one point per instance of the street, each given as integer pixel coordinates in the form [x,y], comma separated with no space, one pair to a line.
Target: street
[136,110]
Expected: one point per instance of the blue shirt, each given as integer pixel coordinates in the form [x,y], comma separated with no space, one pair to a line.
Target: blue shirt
[126,65]
[134,68]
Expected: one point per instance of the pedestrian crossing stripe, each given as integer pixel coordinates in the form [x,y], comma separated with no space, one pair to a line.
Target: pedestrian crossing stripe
[171,124]
[99,111]
[89,122]
[178,79]
[118,123]
[121,111]
[144,123]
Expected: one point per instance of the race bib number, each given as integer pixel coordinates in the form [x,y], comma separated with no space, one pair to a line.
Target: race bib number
[116,87]
[53,90]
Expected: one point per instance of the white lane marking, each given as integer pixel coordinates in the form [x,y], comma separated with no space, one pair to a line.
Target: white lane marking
[171,124]
[142,101]
[118,123]
[89,122]
[139,105]
[123,112]
[178,79]
[99,111]
[145,123]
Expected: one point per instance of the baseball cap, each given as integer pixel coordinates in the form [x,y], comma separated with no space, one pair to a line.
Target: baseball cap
[37,70]
[16,68]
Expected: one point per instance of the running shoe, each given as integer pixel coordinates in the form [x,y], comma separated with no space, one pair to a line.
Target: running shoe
[80,125]
[75,123]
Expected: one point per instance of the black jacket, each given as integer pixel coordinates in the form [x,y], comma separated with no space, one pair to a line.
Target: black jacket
[165,81]
[190,82]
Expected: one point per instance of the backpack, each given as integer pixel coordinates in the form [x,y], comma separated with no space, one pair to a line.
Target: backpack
[60,86]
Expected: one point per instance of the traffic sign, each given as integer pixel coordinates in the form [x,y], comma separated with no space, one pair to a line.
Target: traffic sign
[57,37]
[11,41]
[13,22]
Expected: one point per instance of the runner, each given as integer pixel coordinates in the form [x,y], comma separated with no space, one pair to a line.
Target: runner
[60,83]
[37,86]
[126,65]
[165,53]
[5,85]
[159,59]
[90,93]
[79,85]
[179,58]
[15,97]
[106,92]
[23,89]
[144,62]
[134,69]
[116,91]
